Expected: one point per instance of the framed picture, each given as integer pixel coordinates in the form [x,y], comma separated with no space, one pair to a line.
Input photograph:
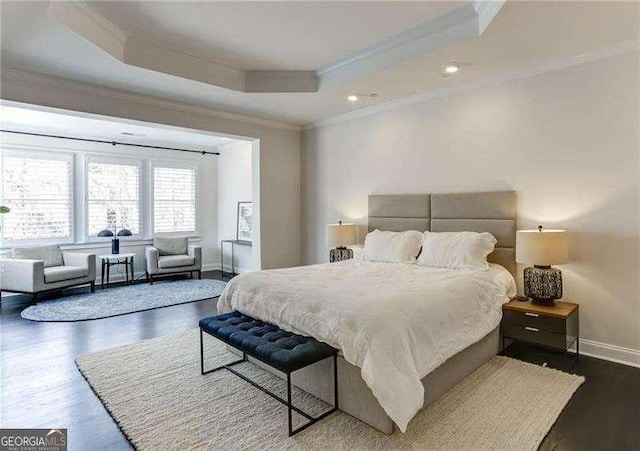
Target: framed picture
[244,230]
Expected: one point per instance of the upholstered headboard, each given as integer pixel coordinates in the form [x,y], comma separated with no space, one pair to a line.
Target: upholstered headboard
[493,212]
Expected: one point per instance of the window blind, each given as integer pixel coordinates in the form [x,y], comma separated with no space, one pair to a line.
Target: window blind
[38,192]
[113,197]
[174,199]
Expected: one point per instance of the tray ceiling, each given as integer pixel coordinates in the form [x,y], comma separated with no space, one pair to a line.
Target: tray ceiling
[300,60]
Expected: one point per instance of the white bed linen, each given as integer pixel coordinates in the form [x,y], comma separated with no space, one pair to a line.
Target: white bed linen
[396,321]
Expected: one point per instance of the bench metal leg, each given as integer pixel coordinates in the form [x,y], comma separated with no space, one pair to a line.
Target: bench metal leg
[312,420]
[335,381]
[288,402]
[203,372]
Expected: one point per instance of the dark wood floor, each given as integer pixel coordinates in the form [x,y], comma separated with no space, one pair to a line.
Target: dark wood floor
[41,386]
[603,414]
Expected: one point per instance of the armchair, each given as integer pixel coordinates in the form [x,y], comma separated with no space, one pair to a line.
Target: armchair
[36,269]
[172,256]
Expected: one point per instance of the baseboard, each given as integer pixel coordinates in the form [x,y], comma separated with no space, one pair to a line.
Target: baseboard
[227,268]
[206,267]
[612,353]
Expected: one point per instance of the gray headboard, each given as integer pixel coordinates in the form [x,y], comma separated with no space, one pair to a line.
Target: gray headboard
[493,212]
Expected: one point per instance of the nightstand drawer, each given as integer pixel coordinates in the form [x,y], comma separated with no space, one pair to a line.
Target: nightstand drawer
[534,335]
[535,320]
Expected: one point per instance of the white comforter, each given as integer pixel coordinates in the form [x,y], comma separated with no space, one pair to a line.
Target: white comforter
[397,322]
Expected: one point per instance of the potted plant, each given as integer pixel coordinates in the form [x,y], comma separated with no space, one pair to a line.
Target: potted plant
[3,210]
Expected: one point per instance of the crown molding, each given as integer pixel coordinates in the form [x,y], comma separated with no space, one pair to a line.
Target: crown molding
[164,60]
[487,11]
[84,20]
[462,24]
[9,74]
[466,22]
[606,52]
[425,30]
[457,26]
[61,83]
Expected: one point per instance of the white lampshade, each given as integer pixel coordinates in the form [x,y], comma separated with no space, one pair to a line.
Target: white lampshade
[340,235]
[542,247]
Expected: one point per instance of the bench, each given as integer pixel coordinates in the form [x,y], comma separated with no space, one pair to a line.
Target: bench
[285,351]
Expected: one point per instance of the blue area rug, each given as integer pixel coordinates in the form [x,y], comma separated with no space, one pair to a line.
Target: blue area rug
[122,300]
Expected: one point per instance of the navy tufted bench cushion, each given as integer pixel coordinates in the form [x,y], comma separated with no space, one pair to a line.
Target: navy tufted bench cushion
[278,348]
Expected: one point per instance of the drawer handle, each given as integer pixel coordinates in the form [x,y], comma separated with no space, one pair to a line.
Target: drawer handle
[535,315]
[532,329]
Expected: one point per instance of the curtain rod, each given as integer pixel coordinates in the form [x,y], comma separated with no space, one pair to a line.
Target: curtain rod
[113,143]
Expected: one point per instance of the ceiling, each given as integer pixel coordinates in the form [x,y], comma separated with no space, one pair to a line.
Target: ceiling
[31,120]
[348,39]
[269,36]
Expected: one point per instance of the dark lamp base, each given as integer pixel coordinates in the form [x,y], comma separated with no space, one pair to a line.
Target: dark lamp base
[542,284]
[115,246]
[340,253]
[547,302]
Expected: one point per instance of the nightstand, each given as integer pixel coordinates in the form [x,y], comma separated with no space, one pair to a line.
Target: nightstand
[555,327]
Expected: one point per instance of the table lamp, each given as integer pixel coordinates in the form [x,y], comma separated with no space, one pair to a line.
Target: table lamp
[542,248]
[115,242]
[339,236]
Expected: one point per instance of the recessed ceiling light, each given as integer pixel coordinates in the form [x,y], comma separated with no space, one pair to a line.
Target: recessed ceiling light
[359,96]
[451,68]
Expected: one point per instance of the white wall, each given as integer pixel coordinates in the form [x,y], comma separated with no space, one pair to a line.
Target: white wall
[234,185]
[566,141]
[276,171]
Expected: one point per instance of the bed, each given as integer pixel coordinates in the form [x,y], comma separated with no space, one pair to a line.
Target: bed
[406,333]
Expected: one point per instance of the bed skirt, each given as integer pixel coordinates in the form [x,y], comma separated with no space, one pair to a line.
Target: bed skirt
[356,397]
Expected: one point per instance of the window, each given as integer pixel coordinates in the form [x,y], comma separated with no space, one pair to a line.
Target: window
[113,196]
[174,199]
[66,197]
[37,188]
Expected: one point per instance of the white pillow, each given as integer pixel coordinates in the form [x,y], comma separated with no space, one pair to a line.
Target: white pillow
[457,250]
[392,247]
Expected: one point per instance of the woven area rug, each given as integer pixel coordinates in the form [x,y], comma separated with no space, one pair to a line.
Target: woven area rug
[122,300]
[156,394]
